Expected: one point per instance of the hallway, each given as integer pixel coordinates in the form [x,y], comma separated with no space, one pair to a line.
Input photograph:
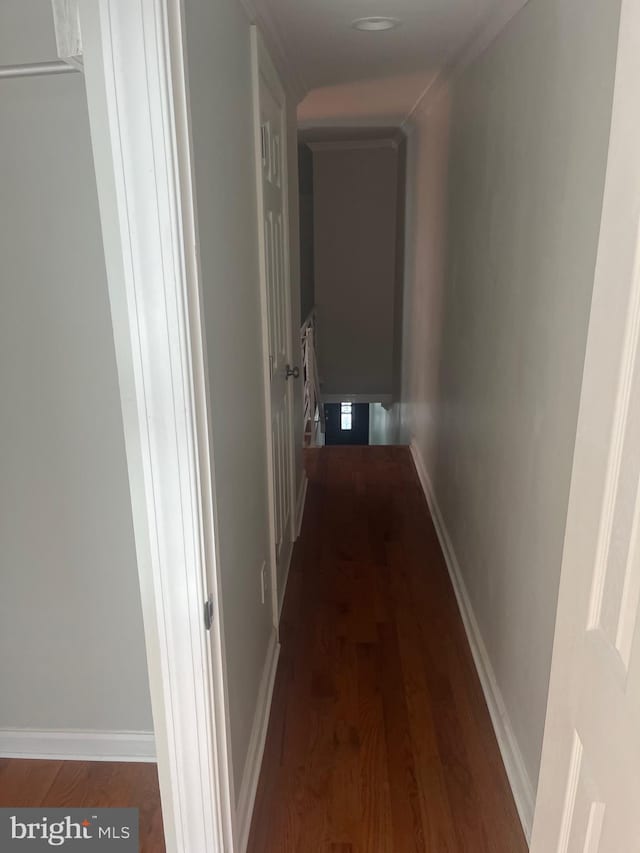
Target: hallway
[379,739]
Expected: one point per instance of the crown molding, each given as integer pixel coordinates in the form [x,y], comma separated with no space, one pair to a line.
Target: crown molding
[352,144]
[485,33]
[364,123]
[275,44]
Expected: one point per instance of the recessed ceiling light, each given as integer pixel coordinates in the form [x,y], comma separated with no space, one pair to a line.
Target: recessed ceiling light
[374,25]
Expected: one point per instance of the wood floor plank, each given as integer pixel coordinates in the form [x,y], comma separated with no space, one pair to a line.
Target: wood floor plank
[437,818]
[376,831]
[71,786]
[98,784]
[408,831]
[25,782]
[379,740]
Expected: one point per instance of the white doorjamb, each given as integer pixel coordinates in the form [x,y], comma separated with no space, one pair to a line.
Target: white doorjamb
[138,109]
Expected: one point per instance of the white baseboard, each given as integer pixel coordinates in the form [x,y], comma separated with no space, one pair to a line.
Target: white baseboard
[255,752]
[77,745]
[511,755]
[300,503]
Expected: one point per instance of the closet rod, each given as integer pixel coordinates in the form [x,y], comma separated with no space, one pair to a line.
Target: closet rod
[31,69]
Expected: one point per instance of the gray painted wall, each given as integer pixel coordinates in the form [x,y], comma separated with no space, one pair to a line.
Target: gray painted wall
[305,177]
[496,319]
[355,210]
[384,427]
[71,642]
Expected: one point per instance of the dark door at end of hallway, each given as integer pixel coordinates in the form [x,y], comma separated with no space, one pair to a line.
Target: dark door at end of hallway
[346,423]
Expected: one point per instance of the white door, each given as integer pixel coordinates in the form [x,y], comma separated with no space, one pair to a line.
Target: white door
[279,372]
[589,790]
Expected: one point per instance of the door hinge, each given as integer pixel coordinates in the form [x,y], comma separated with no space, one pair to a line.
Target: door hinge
[208,613]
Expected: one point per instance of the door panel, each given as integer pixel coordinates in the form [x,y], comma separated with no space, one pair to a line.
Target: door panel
[272,205]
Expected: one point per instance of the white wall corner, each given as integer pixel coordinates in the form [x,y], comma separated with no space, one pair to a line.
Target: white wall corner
[255,751]
[75,745]
[425,101]
[515,767]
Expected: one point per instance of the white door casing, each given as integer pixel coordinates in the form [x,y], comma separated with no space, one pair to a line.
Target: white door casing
[589,790]
[273,229]
[138,112]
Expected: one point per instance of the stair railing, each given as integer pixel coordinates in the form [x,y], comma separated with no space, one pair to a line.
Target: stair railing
[312,403]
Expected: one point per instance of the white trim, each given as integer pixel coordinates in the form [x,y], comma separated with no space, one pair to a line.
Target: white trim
[77,745]
[301,503]
[486,32]
[255,751]
[310,125]
[357,398]
[36,69]
[352,144]
[138,113]
[521,786]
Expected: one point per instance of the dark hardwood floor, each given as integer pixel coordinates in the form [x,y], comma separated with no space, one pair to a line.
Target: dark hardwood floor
[101,784]
[379,740]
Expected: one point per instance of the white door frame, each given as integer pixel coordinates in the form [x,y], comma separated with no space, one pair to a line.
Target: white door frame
[605,419]
[262,64]
[138,110]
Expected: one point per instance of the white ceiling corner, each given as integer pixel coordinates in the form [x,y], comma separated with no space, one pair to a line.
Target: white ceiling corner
[479,41]
[261,15]
[354,78]
[490,27]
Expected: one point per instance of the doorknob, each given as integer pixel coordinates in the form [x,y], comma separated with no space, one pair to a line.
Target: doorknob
[292,371]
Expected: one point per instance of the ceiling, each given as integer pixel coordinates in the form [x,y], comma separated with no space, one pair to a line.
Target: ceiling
[323,50]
